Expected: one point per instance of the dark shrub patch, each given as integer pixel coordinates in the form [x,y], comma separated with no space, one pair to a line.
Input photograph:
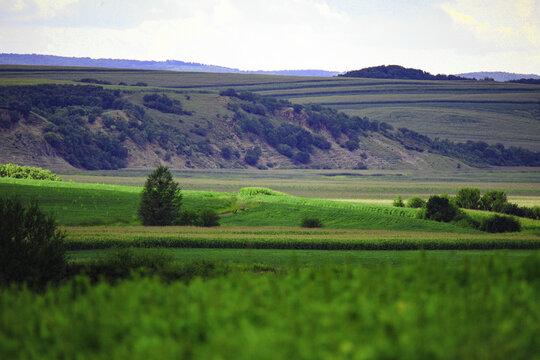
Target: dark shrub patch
[440,209]
[311,222]
[498,224]
[208,218]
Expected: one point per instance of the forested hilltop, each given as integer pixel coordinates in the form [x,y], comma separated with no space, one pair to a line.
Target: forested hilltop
[398,72]
[92,127]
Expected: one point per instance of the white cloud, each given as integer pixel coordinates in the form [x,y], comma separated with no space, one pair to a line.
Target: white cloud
[439,37]
[504,24]
[50,8]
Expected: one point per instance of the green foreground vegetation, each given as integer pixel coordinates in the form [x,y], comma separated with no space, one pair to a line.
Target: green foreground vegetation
[422,309]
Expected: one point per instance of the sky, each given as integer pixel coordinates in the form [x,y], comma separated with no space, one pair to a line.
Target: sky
[439,36]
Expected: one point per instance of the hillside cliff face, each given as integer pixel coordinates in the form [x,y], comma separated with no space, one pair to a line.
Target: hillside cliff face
[89,127]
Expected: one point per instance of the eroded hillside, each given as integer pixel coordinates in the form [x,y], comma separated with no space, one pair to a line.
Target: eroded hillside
[91,127]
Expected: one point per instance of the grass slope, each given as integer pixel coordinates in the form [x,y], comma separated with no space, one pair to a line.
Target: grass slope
[98,204]
[89,204]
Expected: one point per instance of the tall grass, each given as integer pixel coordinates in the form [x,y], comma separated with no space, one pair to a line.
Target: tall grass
[423,309]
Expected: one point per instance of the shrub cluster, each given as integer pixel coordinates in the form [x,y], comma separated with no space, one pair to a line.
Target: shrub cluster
[444,209]
[163,103]
[498,224]
[27,172]
[493,200]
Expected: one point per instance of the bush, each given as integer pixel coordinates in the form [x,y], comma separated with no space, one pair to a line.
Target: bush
[415,202]
[160,199]
[536,212]
[398,202]
[27,172]
[440,208]
[468,198]
[310,222]
[31,247]
[187,217]
[226,152]
[302,157]
[252,156]
[285,150]
[498,224]
[208,218]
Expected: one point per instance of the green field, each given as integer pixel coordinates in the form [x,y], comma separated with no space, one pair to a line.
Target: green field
[493,112]
[313,258]
[99,204]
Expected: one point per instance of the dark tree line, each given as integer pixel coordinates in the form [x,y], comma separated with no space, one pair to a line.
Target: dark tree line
[398,72]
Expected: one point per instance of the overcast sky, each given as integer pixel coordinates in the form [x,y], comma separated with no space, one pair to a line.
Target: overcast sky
[439,36]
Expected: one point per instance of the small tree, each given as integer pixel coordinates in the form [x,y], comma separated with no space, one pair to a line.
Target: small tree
[160,199]
[468,198]
[31,247]
[398,202]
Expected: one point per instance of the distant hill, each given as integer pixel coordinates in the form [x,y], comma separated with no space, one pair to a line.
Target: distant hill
[498,75]
[174,65]
[398,72]
[93,127]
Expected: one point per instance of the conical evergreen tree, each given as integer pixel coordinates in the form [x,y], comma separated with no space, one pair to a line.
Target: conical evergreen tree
[161,199]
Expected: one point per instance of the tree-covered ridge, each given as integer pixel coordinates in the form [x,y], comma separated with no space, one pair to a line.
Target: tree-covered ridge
[287,137]
[398,72]
[92,128]
[71,112]
[475,153]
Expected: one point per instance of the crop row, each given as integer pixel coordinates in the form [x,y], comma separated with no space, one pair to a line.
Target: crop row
[79,239]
